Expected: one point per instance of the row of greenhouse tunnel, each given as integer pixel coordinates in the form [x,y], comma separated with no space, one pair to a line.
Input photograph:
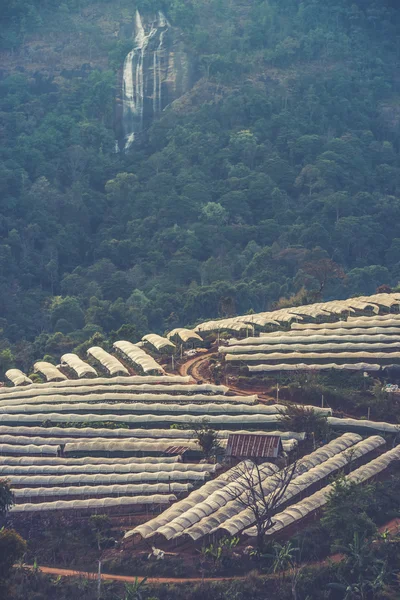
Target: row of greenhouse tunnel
[116,431]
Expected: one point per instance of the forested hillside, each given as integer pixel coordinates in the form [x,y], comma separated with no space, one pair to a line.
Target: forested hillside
[285,153]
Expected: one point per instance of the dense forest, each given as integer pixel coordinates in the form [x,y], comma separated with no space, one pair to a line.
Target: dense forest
[284,153]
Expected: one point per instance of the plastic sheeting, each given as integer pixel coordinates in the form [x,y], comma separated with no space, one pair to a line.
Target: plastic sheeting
[141,407]
[360,323]
[205,410]
[335,356]
[138,357]
[108,468]
[310,347]
[37,469]
[138,400]
[93,503]
[137,489]
[298,511]
[342,332]
[150,528]
[211,498]
[139,420]
[95,432]
[118,444]
[106,478]
[301,483]
[158,342]
[17,377]
[130,380]
[363,425]
[224,324]
[148,446]
[85,460]
[322,311]
[49,371]
[75,363]
[184,335]
[28,449]
[111,364]
[230,501]
[313,367]
[329,336]
[149,391]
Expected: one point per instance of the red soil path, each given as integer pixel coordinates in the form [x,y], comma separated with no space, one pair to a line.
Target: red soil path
[125,578]
[392,527]
[191,367]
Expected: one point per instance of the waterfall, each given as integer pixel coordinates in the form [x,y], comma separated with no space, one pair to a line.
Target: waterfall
[129,104]
[146,55]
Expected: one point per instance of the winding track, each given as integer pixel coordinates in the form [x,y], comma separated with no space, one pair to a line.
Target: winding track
[191,367]
[392,527]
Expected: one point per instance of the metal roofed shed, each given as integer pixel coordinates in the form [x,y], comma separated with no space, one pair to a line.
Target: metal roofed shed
[176,450]
[253,446]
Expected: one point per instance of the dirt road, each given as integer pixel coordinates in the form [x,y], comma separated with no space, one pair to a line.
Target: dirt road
[391,527]
[125,578]
[192,366]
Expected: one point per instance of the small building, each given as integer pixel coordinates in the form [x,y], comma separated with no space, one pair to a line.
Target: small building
[185,453]
[257,447]
[176,450]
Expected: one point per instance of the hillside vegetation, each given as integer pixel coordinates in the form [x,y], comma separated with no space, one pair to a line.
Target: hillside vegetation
[284,154]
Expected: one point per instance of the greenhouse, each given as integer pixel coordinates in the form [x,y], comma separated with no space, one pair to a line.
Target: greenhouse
[49,371]
[133,467]
[296,512]
[223,491]
[106,478]
[17,377]
[76,364]
[229,502]
[185,336]
[310,337]
[111,364]
[169,400]
[95,503]
[122,433]
[131,489]
[138,357]
[159,343]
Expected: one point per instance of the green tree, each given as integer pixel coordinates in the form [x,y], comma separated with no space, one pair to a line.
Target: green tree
[69,310]
[207,438]
[345,514]
[299,418]
[134,591]
[6,497]
[12,548]
[7,360]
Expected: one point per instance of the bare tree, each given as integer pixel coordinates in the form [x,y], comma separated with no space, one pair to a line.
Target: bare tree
[323,270]
[260,489]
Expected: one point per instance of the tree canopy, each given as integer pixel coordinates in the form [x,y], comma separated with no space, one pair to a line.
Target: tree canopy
[278,171]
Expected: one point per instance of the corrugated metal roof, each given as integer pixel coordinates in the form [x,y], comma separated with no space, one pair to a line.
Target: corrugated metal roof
[257,446]
[176,450]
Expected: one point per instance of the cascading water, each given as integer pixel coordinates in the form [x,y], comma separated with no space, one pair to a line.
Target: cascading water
[134,80]
[155,72]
